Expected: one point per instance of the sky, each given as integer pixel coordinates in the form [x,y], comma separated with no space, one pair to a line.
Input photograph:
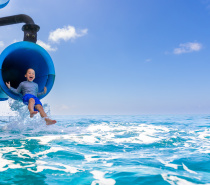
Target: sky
[121,57]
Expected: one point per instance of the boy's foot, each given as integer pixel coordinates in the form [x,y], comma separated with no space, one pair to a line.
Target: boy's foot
[49,121]
[33,113]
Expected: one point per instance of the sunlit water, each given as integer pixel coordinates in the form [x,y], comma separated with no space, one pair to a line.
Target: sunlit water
[104,150]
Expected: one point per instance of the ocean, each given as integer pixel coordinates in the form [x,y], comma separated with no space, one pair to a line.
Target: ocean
[104,150]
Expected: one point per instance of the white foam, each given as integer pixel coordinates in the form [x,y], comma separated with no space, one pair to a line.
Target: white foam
[145,133]
[187,169]
[23,152]
[173,180]
[107,164]
[9,163]
[168,164]
[45,139]
[205,134]
[103,133]
[39,162]
[68,169]
[89,158]
[99,176]
[42,165]
[3,163]
[186,145]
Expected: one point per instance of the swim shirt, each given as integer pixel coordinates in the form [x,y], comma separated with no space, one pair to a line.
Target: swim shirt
[27,87]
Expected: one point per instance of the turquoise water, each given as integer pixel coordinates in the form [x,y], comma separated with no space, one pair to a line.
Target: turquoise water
[105,150]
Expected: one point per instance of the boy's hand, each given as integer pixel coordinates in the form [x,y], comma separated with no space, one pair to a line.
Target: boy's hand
[8,85]
[45,90]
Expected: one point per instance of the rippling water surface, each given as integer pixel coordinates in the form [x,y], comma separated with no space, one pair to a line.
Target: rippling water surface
[105,150]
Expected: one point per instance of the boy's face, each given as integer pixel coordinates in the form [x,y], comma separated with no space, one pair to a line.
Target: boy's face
[30,75]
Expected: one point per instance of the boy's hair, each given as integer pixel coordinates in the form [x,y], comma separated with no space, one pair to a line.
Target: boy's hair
[28,69]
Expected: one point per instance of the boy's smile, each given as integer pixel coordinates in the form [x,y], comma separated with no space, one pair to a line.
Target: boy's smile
[30,75]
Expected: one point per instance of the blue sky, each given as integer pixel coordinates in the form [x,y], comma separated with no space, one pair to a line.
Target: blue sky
[122,57]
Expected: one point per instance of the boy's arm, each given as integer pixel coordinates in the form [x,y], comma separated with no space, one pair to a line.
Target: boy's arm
[42,93]
[18,90]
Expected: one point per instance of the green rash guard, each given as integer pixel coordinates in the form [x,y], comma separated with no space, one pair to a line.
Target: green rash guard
[27,87]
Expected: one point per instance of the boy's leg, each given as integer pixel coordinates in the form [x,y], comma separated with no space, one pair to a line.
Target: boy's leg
[31,103]
[41,110]
[44,115]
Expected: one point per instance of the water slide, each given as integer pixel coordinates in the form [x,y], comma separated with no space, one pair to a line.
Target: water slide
[19,56]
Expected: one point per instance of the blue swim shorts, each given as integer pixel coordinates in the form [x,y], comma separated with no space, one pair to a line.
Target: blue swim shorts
[26,98]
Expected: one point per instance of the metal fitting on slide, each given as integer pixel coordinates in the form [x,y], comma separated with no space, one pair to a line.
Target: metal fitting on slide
[30,28]
[30,32]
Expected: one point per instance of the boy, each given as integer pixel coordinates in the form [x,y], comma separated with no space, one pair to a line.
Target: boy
[29,90]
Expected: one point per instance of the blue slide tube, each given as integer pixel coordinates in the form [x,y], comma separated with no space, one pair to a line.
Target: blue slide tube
[16,59]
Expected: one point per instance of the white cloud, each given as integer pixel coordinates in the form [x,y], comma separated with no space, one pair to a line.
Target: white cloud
[66,33]
[1,44]
[48,47]
[188,48]
[148,60]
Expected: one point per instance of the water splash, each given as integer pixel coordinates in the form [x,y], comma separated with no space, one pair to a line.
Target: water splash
[21,120]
